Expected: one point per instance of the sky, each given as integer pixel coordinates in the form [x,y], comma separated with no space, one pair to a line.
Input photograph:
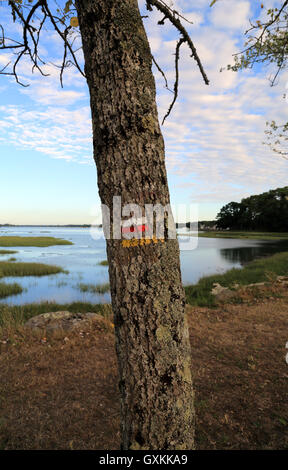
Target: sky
[213,137]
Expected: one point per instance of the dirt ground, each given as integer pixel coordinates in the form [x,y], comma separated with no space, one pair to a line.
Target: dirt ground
[61,392]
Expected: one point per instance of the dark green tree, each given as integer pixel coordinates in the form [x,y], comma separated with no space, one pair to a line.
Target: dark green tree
[230,216]
[267,211]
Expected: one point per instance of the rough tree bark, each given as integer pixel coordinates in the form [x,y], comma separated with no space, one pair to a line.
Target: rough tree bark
[148,300]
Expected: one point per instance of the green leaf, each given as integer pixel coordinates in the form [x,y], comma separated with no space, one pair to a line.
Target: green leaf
[212,3]
[67,6]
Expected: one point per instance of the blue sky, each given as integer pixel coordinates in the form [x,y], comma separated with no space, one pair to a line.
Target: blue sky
[213,138]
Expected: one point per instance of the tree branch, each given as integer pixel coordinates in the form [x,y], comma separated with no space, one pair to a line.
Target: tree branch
[162,73]
[176,85]
[32,34]
[171,15]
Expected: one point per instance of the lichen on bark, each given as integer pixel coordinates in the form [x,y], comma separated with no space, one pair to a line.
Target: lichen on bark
[148,301]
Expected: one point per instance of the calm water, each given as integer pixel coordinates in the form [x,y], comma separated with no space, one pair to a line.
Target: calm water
[81,260]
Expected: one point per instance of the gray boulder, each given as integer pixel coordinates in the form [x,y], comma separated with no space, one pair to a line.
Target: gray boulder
[222,293]
[65,320]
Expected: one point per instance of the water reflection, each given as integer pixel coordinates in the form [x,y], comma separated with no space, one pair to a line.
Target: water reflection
[212,255]
[245,254]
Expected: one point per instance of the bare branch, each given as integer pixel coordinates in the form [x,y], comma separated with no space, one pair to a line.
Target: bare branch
[162,73]
[161,6]
[175,12]
[62,35]
[5,67]
[179,43]
[31,38]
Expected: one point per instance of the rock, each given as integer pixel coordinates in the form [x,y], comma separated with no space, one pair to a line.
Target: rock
[65,320]
[221,293]
[256,284]
[283,280]
[218,289]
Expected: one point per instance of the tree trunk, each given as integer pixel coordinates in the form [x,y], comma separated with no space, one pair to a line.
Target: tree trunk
[148,301]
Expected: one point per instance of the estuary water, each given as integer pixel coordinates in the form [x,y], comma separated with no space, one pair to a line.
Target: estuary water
[210,256]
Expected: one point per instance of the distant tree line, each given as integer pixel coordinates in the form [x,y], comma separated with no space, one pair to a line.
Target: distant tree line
[266,211]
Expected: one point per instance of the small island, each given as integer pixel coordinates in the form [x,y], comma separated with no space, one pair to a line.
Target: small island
[32,241]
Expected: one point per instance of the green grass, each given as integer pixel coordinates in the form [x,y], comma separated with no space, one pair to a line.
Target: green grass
[243,234]
[9,289]
[32,241]
[259,270]
[98,289]
[103,263]
[8,252]
[17,315]
[27,269]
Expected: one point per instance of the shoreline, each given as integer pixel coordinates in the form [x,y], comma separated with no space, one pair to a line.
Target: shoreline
[238,235]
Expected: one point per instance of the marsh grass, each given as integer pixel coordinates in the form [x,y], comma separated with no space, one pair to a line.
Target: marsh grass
[9,289]
[32,241]
[103,263]
[242,234]
[98,289]
[11,268]
[8,252]
[27,269]
[260,270]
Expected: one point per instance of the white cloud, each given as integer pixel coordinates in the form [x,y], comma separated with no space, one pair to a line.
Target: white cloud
[214,134]
[50,95]
[232,14]
[54,131]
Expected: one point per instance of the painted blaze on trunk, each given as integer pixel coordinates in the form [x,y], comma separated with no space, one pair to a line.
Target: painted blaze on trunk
[148,300]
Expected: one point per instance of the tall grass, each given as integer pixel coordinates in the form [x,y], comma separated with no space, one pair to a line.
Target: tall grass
[259,270]
[27,269]
[32,241]
[103,263]
[9,289]
[8,252]
[98,289]
[243,234]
